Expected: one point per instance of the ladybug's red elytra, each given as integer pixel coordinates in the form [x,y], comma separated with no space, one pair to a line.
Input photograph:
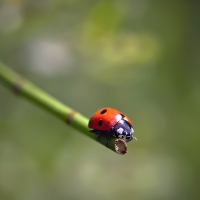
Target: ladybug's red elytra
[111,122]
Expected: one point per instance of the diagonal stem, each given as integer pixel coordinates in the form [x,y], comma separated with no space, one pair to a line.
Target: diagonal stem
[25,88]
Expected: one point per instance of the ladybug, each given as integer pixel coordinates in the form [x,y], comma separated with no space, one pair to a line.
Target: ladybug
[111,122]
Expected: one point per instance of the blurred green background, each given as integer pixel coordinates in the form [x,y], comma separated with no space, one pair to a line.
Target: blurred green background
[139,56]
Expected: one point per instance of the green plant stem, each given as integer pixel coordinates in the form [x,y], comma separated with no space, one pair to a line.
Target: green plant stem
[25,88]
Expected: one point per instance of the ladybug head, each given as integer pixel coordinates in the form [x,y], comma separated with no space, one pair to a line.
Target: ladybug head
[128,136]
[124,130]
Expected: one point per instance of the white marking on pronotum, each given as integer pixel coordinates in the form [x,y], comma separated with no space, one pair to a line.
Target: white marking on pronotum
[121,121]
[118,117]
[120,130]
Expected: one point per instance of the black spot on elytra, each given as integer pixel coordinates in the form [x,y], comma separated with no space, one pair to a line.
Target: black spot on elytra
[103,111]
[100,122]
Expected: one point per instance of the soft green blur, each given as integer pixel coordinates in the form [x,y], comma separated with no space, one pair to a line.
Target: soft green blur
[140,57]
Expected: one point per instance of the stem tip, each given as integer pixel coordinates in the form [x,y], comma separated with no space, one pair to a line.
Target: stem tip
[120,146]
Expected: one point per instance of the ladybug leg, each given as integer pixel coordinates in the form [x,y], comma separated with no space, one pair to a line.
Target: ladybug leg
[99,136]
[109,135]
[100,133]
[97,133]
[108,140]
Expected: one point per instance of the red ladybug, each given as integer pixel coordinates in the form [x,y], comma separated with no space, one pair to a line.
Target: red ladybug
[111,122]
